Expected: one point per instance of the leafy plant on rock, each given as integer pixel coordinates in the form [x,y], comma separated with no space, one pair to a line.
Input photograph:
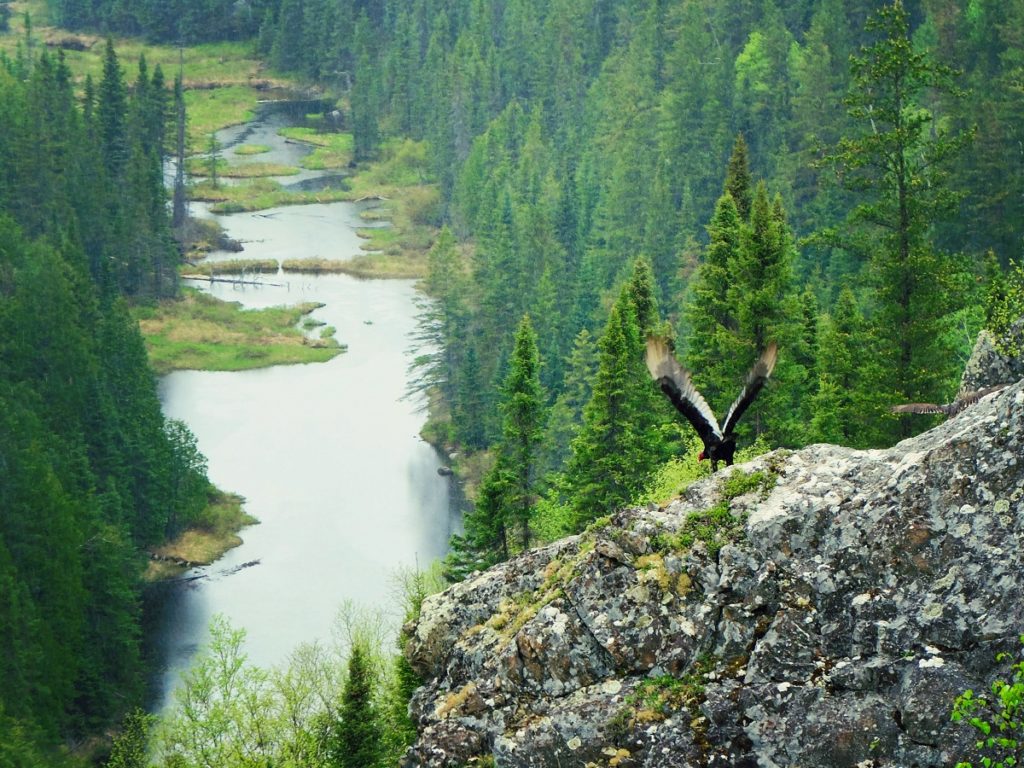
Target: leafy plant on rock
[999,719]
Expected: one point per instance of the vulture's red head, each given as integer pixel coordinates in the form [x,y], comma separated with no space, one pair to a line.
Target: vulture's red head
[701,456]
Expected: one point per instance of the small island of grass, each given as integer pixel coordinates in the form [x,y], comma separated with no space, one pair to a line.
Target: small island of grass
[251,149]
[199,167]
[331,150]
[200,332]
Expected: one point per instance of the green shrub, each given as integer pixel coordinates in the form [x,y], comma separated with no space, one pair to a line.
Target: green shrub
[999,719]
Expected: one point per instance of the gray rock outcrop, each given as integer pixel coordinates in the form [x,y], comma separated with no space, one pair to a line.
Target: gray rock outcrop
[816,608]
[988,366]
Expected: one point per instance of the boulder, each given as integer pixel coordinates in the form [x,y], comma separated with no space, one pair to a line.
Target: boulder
[829,617]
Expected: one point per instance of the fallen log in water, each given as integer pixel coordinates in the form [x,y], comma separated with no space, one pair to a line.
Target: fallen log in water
[236,281]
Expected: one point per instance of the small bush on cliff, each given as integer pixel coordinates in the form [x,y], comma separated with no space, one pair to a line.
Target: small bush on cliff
[999,719]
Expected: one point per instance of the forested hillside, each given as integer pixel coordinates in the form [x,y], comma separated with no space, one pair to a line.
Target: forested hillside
[90,471]
[831,176]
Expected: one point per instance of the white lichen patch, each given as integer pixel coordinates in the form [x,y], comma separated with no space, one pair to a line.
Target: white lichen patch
[611,687]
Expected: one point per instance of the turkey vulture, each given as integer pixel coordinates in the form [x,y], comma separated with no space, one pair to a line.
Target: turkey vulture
[674,380]
[950,409]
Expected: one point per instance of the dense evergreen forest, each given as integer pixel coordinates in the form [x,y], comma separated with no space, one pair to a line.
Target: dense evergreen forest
[831,176]
[90,471]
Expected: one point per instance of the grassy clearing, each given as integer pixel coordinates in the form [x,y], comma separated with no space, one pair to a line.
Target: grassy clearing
[200,332]
[209,537]
[232,267]
[411,204]
[223,81]
[332,150]
[200,166]
[211,109]
[251,149]
[258,195]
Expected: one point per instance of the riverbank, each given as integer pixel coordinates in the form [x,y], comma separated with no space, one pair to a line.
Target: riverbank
[400,230]
[203,542]
[199,332]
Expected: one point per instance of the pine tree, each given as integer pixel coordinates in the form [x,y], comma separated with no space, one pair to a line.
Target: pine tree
[112,112]
[896,162]
[365,95]
[522,409]
[566,414]
[508,491]
[849,408]
[711,350]
[356,740]
[621,440]
[763,299]
[737,178]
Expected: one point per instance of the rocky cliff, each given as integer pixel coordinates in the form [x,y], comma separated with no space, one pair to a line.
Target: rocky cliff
[815,608]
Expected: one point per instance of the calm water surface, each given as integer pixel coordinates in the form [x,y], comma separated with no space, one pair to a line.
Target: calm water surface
[327,456]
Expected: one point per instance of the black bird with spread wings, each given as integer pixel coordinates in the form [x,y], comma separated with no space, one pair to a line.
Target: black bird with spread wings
[950,409]
[674,380]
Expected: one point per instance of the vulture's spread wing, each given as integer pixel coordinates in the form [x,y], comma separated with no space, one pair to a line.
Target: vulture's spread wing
[756,380]
[922,408]
[674,381]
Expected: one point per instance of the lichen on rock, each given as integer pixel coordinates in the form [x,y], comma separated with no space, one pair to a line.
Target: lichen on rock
[826,614]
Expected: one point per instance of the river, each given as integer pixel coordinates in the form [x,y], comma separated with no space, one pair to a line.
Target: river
[327,455]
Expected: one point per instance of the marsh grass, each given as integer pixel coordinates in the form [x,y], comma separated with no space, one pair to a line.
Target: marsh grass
[200,332]
[206,540]
[259,194]
[251,149]
[200,166]
[375,265]
[232,267]
[331,150]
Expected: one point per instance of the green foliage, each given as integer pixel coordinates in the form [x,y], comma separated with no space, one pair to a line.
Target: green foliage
[355,738]
[1004,306]
[130,748]
[621,440]
[998,718]
[90,472]
[898,159]
[717,525]
[508,492]
[339,706]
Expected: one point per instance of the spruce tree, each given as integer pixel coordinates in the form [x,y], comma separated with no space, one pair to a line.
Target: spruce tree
[356,740]
[522,408]
[737,178]
[508,492]
[896,162]
[566,413]
[621,440]
[711,350]
[112,112]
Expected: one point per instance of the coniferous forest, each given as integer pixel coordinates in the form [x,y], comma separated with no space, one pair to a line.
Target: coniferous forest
[845,179]
[90,471]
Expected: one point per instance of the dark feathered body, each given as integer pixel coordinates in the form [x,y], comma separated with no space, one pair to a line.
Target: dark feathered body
[675,382]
